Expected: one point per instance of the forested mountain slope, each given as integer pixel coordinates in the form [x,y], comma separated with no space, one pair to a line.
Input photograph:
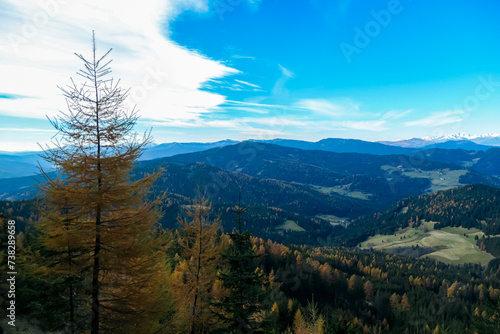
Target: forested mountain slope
[471,206]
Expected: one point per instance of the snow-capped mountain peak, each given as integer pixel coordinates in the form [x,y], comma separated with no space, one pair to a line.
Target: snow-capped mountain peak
[461,136]
[486,139]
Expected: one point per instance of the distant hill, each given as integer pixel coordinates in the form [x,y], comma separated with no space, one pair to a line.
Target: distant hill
[458,144]
[19,164]
[471,206]
[380,179]
[16,164]
[376,180]
[271,203]
[224,186]
[486,162]
[170,149]
[342,146]
[481,139]
[20,188]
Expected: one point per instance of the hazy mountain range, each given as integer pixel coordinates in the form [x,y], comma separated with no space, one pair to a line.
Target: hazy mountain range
[481,139]
[303,186]
[18,164]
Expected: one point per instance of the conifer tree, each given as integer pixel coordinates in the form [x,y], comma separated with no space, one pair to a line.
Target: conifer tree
[57,258]
[96,217]
[244,284]
[195,280]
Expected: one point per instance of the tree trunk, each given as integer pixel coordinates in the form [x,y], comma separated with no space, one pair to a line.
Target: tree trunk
[97,247]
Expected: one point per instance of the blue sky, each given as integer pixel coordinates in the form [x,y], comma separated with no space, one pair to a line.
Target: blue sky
[210,70]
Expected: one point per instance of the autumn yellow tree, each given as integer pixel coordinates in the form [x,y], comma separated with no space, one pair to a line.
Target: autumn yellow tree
[195,283]
[96,217]
[405,304]
[60,258]
[313,323]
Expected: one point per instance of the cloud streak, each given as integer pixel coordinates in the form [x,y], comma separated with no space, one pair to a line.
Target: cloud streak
[439,119]
[321,106]
[165,78]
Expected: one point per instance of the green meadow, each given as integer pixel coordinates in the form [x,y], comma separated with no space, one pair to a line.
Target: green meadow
[452,245]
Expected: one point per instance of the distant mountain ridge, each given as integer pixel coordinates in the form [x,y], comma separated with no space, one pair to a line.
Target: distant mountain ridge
[170,149]
[382,179]
[18,164]
[341,145]
[481,139]
[314,189]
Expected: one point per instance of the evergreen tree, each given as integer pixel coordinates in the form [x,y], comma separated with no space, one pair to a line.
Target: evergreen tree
[244,284]
[56,260]
[489,321]
[97,219]
[195,278]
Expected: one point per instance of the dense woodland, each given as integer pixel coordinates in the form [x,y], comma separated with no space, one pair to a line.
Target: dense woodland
[302,289]
[99,252]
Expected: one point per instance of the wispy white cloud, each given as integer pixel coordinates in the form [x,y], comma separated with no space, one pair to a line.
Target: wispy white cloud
[247,83]
[248,109]
[243,57]
[27,130]
[378,125]
[263,133]
[439,118]
[279,89]
[233,85]
[396,114]
[36,54]
[321,106]
[286,72]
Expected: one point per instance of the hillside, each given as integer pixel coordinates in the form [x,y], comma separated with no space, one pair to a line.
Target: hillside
[458,145]
[472,206]
[485,162]
[380,179]
[224,186]
[271,203]
[480,139]
[170,149]
[18,164]
[341,145]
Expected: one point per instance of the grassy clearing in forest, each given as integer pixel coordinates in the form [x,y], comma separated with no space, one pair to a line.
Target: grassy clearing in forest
[342,190]
[441,179]
[453,245]
[333,220]
[290,225]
